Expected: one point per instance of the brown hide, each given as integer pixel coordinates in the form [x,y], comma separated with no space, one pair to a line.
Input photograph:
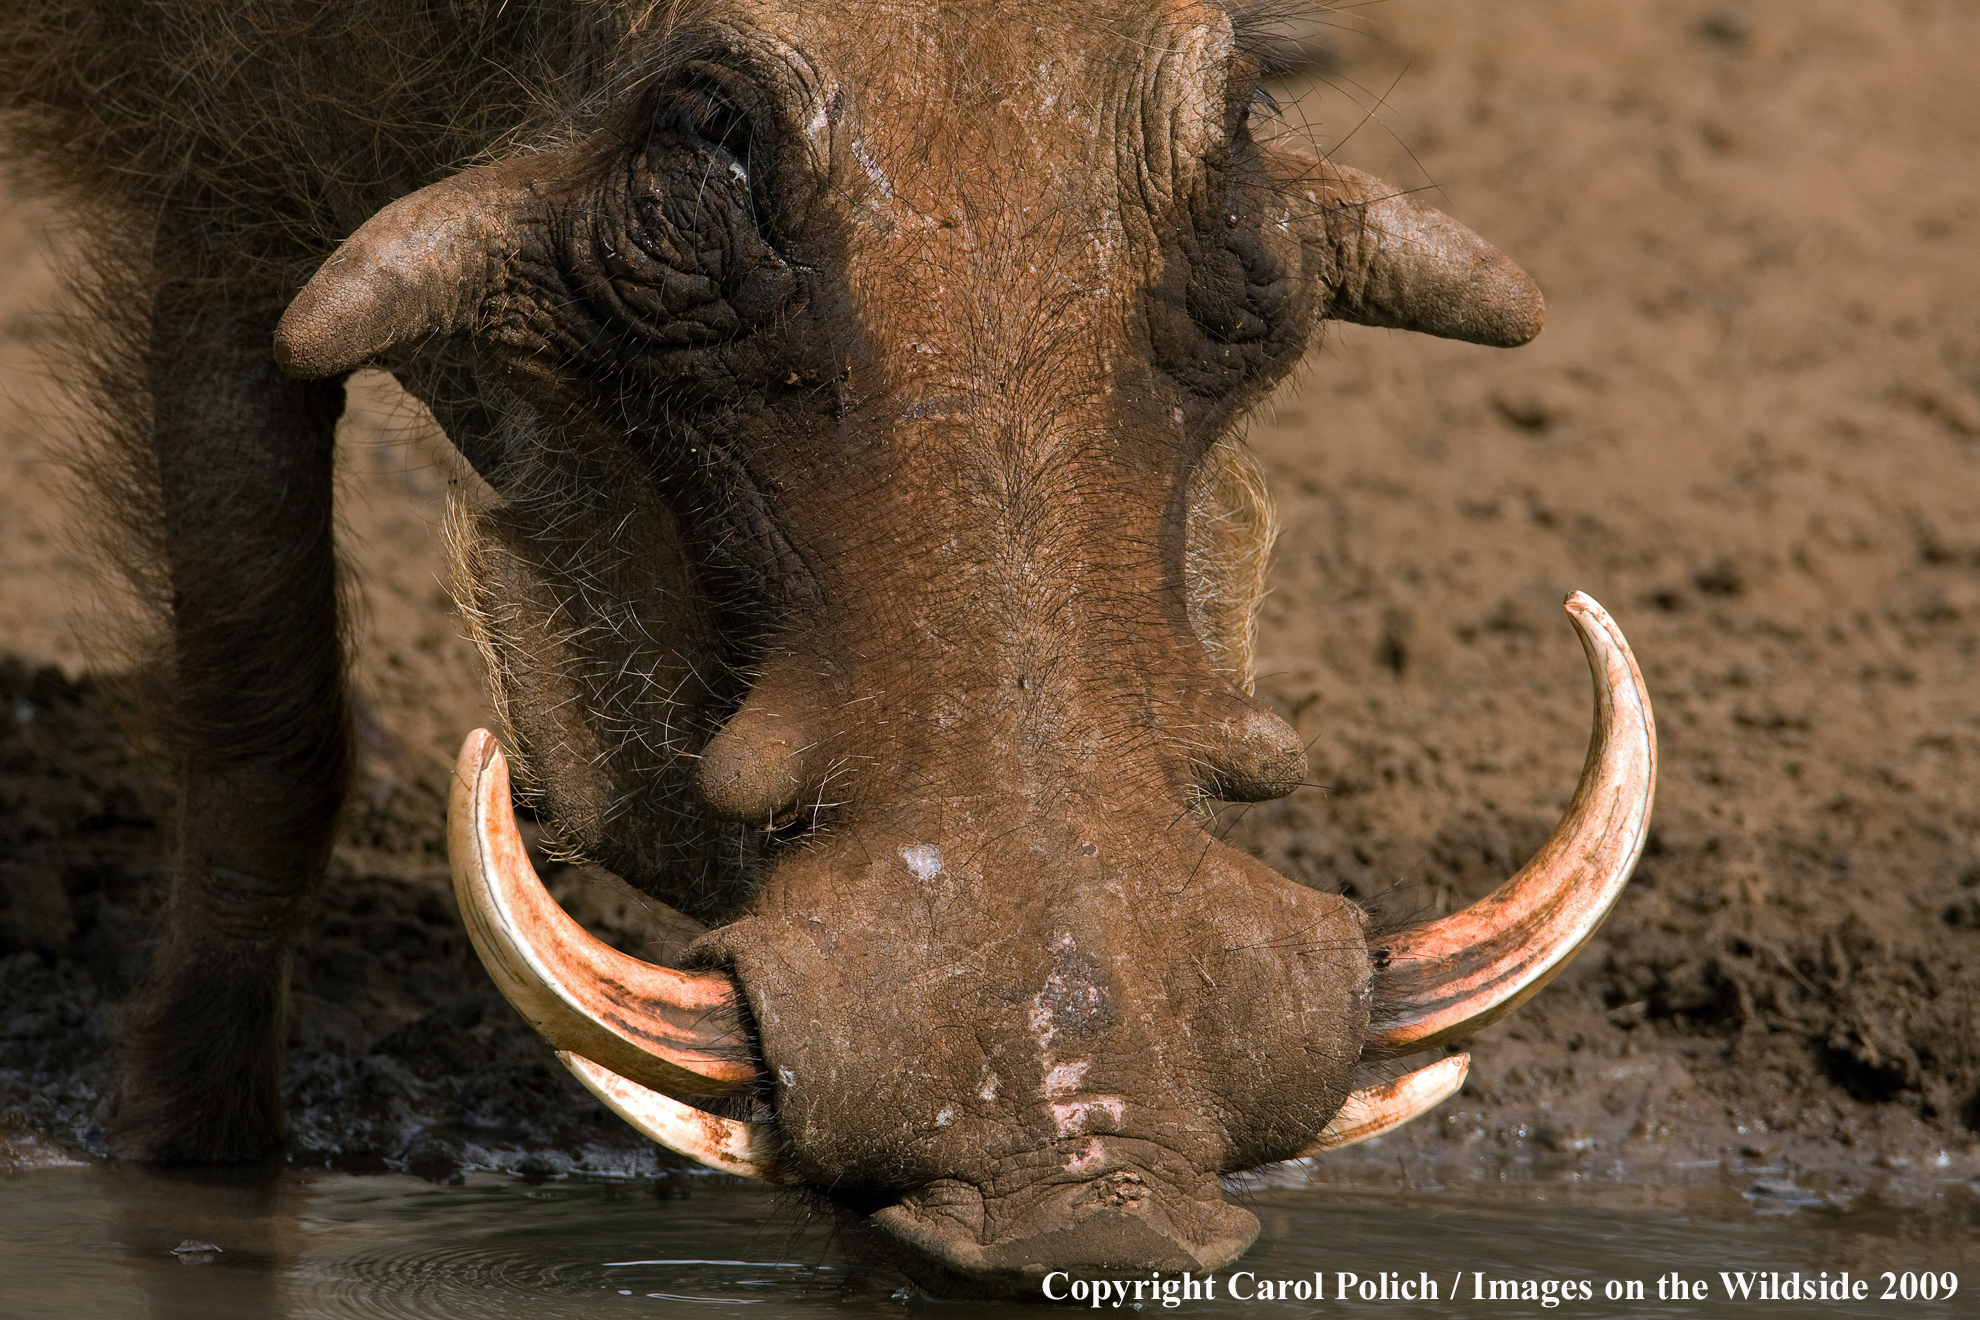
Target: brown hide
[927,323]
[866,565]
[1012,977]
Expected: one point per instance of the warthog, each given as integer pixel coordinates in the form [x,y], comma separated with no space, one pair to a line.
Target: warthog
[864,567]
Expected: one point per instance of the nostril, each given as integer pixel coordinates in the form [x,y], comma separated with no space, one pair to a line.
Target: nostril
[954,1243]
[1115,1190]
[1117,1224]
[956,1204]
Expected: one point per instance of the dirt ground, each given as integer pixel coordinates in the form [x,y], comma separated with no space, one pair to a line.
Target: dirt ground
[1751,429]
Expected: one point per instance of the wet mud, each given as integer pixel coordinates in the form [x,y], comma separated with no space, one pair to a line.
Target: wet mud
[403,1055]
[1751,429]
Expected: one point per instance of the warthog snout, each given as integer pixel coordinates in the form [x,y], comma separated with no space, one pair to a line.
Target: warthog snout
[1115,1222]
[866,567]
[1038,1047]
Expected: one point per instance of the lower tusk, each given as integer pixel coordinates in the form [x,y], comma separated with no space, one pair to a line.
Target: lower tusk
[1371,1112]
[720,1143]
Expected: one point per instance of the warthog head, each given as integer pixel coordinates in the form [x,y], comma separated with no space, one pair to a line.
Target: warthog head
[868,570]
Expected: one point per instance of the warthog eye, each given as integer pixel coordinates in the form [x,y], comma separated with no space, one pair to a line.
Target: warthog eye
[706,115]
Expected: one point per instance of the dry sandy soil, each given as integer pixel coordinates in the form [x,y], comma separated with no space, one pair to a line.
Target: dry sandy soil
[1752,429]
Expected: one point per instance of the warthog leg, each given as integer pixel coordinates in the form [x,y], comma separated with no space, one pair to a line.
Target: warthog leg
[253,711]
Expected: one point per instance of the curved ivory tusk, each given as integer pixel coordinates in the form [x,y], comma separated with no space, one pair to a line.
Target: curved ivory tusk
[1451,977]
[662,1028]
[720,1143]
[1369,1113]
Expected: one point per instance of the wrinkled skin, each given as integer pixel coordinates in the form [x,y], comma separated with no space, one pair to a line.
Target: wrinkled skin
[1008,986]
[860,571]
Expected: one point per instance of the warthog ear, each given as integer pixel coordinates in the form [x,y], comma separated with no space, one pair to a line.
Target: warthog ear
[421,267]
[1389,260]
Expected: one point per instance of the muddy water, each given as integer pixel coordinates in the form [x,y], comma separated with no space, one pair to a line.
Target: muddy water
[91,1241]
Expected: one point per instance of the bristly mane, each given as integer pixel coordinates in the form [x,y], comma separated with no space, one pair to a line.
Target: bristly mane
[129,115]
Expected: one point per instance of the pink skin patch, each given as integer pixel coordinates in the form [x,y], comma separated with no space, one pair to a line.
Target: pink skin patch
[1064,1078]
[1072,1118]
[1090,1158]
